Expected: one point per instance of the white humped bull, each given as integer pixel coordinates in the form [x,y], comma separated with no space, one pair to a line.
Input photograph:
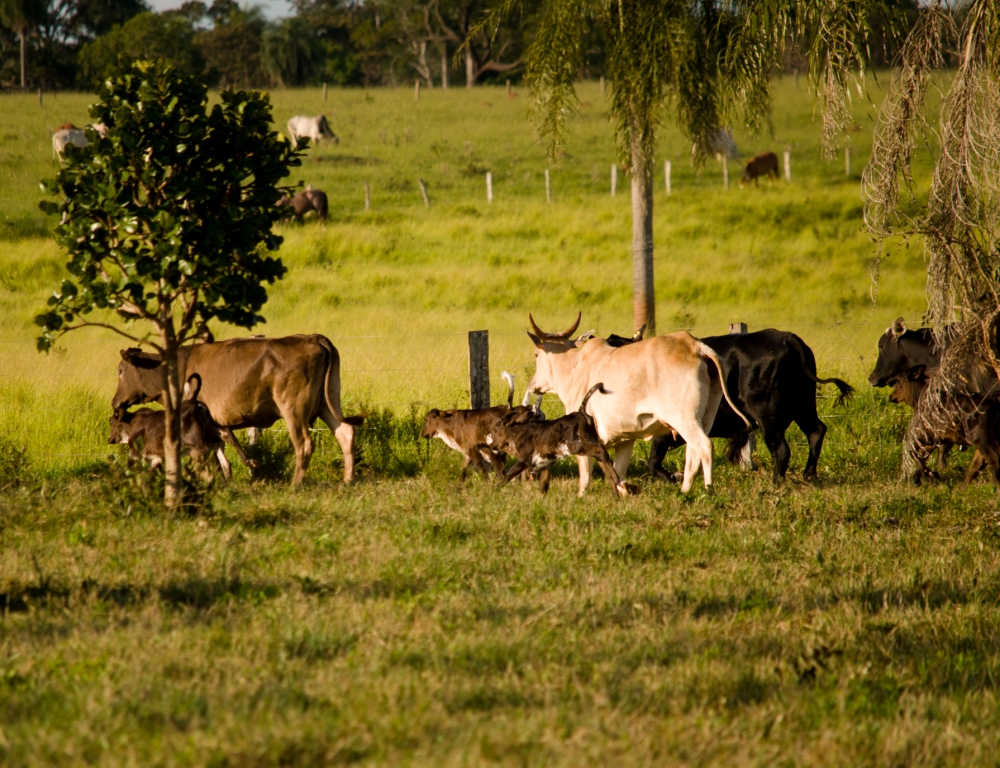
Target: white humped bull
[654,387]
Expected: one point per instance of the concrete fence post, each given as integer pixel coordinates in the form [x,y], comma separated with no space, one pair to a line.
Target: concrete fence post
[725,172]
[489,186]
[368,197]
[508,86]
[416,90]
[666,175]
[479,369]
[548,187]
[788,165]
[324,91]
[614,179]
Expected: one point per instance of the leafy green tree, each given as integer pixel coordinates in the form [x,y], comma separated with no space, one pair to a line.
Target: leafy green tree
[166,219]
[148,36]
[293,52]
[232,47]
[708,62]
[21,16]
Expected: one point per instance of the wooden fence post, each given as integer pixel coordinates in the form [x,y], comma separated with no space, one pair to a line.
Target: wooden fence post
[788,165]
[444,66]
[479,369]
[368,197]
[39,97]
[508,86]
[489,186]
[847,161]
[423,191]
[416,90]
[746,457]
[666,174]
[614,179]
[725,172]
[548,187]
[602,85]
[324,91]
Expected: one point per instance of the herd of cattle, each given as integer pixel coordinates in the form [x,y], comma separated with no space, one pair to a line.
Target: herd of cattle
[673,390]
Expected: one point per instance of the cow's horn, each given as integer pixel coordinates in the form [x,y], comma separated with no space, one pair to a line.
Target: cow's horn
[567,333]
[898,327]
[637,336]
[534,326]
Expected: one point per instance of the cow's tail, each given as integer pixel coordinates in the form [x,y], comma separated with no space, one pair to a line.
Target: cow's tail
[333,361]
[708,352]
[510,388]
[846,390]
[586,398]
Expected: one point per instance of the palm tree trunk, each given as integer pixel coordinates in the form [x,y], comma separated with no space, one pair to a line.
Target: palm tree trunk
[643,299]
[173,494]
[21,34]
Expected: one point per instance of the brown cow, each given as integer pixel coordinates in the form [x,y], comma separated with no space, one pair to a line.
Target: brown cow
[253,383]
[765,164]
[305,201]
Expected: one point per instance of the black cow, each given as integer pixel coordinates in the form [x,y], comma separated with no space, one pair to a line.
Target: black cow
[772,378]
[900,350]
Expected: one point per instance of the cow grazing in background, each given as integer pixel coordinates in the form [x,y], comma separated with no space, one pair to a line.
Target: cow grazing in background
[537,446]
[303,202]
[765,164]
[471,432]
[65,137]
[144,430]
[316,129]
[663,384]
[253,383]
[68,134]
[772,378]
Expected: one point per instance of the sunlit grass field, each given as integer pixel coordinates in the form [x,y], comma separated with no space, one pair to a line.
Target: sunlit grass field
[412,620]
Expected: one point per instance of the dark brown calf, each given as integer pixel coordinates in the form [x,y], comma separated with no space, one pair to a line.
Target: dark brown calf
[537,446]
[765,164]
[471,432]
[907,390]
[147,428]
[305,201]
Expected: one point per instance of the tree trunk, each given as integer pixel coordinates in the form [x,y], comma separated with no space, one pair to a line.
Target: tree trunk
[470,69]
[643,299]
[174,491]
[444,66]
[21,33]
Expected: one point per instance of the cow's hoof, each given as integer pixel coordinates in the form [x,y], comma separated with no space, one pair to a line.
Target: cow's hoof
[627,489]
[709,490]
[253,464]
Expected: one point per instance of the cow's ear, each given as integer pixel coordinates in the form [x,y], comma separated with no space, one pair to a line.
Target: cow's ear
[584,338]
[917,373]
[534,339]
[898,327]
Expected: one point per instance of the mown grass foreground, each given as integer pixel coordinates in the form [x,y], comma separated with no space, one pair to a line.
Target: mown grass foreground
[410,619]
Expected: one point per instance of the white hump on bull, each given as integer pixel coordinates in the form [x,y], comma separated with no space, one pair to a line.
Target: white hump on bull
[659,386]
[253,383]
[316,129]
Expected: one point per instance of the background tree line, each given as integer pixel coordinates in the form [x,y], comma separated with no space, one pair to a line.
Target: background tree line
[73,43]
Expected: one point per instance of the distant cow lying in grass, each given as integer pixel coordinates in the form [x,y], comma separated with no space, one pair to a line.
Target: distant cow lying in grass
[765,164]
[200,435]
[537,446]
[305,201]
[470,431]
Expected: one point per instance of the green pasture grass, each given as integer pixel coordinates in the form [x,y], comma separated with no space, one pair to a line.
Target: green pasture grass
[411,619]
